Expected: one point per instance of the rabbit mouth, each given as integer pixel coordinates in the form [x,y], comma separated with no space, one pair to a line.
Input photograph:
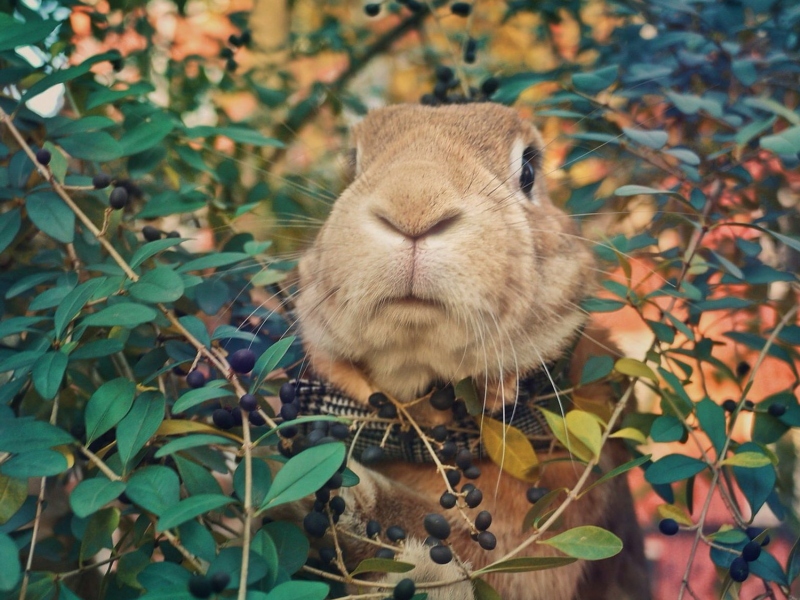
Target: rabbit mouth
[412,301]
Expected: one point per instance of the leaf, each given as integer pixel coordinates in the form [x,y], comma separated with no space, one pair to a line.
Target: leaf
[97,535]
[787,142]
[74,302]
[197,328]
[616,471]
[793,562]
[299,590]
[572,444]
[150,249]
[14,33]
[304,474]
[635,190]
[192,398]
[243,135]
[586,428]
[712,420]
[121,314]
[634,368]
[191,441]
[525,564]
[483,591]
[190,508]
[508,448]
[467,391]
[673,467]
[667,428]
[107,406]
[540,508]
[12,496]
[381,565]
[770,105]
[11,572]
[654,139]
[685,156]
[670,511]
[270,359]
[291,544]
[90,495]
[64,75]
[595,82]
[154,488]
[748,460]
[35,463]
[630,433]
[146,134]
[51,216]
[23,435]
[48,372]
[596,368]
[139,425]
[10,222]
[587,542]
[161,284]
[73,126]
[261,478]
[96,146]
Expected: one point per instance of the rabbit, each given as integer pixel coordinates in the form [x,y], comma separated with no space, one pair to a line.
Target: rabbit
[445,259]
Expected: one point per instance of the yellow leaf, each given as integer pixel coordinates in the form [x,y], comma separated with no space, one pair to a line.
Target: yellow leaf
[177,426]
[750,460]
[634,368]
[670,511]
[585,427]
[68,454]
[570,442]
[508,447]
[602,408]
[630,433]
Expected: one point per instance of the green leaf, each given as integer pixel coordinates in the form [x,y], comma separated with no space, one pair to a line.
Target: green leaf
[121,314]
[304,474]
[572,444]
[154,488]
[747,460]
[508,448]
[11,572]
[170,202]
[512,86]
[786,142]
[14,33]
[104,96]
[541,508]
[146,134]
[99,532]
[299,590]
[793,562]
[150,249]
[381,565]
[139,425]
[684,155]
[689,104]
[585,427]
[594,82]
[96,146]
[74,302]
[525,564]
[213,261]
[68,74]
[596,368]
[262,479]
[13,493]
[51,216]
[776,108]
[192,441]
[667,428]
[161,284]
[243,135]
[467,391]
[634,368]
[197,328]
[624,468]
[673,467]
[483,591]
[290,542]
[107,406]
[752,130]
[10,222]
[635,190]
[712,419]
[48,372]
[23,435]
[270,359]
[90,495]
[654,139]
[190,508]
[198,396]
[83,125]
[35,463]
[587,542]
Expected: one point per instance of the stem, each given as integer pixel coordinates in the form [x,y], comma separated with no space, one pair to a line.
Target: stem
[248,505]
[98,462]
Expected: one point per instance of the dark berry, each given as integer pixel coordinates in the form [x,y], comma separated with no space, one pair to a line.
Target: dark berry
[445,74]
[117,64]
[226,53]
[487,540]
[729,405]
[448,500]
[473,498]
[373,528]
[222,418]
[395,533]
[534,494]
[462,9]
[754,532]
[372,454]
[242,361]
[234,40]
[470,49]
[245,37]
[377,400]
[483,520]
[453,477]
[751,551]
[739,569]
[372,10]
[742,369]
[231,65]
[289,432]
[464,459]
[327,554]
[439,433]
[150,233]
[431,541]
[248,402]
[413,5]
[255,418]
[335,482]
[387,411]
[323,495]
[340,431]
[199,586]
[43,156]
[668,526]
[315,436]
[237,417]
[448,451]
[174,234]
[219,581]
[287,393]
[467,487]
[384,553]
[195,379]
[101,181]
[748,405]
[490,86]
[118,198]
[472,472]
[315,523]
[445,398]
[777,409]
[338,505]
[437,526]
[404,590]
[289,412]
[441,555]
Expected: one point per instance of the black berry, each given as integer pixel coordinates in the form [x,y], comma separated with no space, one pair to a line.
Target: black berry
[446,75]
[248,402]
[242,361]
[338,505]
[777,409]
[289,412]
[222,418]
[335,482]
[231,65]
[256,420]
[437,526]
[199,586]
[404,590]
[118,198]
[384,553]
[748,405]
[195,379]
[742,369]
[668,526]
[327,554]
[490,86]
[226,53]
[439,433]
[395,533]
[43,156]
[372,10]
[101,181]
[751,551]
[447,500]
[234,40]
[464,459]
[448,450]
[373,528]
[377,400]
[315,523]
[289,432]
[445,398]
[245,37]
[462,9]
[739,569]
[729,405]
[340,431]
[219,581]
[473,498]
[441,555]
[174,234]
[453,477]
[487,540]
[287,393]
[472,472]
[470,49]
[372,454]
[754,532]
[150,233]
[483,520]
[387,411]
[534,494]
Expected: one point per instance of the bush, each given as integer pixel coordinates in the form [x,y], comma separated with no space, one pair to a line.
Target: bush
[132,276]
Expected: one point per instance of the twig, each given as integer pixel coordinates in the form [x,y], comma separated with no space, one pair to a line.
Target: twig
[248,505]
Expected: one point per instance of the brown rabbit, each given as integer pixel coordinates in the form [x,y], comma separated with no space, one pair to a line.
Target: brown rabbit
[445,259]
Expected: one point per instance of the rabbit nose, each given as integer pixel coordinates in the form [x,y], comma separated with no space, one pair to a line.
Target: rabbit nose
[417,229]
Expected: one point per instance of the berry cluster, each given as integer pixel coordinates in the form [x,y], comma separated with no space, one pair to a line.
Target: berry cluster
[234,43]
[202,586]
[447,82]
[321,432]
[460,9]
[740,568]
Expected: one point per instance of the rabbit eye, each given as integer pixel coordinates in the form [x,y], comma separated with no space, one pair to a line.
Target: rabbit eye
[528,171]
